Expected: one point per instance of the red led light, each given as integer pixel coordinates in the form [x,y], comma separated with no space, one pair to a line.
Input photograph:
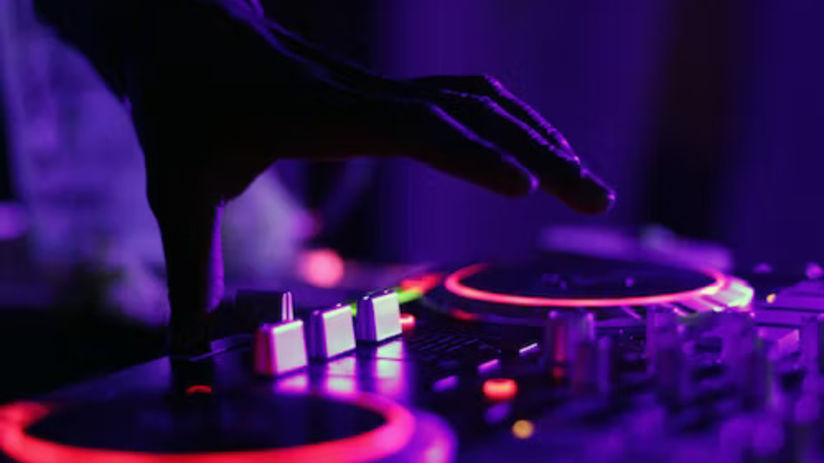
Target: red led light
[500,389]
[454,283]
[376,444]
[422,283]
[462,314]
[199,389]
[407,321]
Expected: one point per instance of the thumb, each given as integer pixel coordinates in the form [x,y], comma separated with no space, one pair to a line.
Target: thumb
[190,231]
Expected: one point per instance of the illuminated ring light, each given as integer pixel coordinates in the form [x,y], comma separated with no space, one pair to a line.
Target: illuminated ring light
[454,284]
[386,440]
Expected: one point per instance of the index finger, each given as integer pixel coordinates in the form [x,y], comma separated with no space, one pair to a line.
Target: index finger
[559,171]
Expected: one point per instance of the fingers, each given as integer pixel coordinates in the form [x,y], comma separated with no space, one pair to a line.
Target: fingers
[437,139]
[482,85]
[559,171]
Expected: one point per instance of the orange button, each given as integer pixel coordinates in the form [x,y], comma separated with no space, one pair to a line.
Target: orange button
[500,389]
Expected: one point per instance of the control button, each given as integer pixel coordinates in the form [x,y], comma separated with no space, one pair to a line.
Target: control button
[752,376]
[407,322]
[500,389]
[331,332]
[734,328]
[488,366]
[811,337]
[279,348]
[565,331]
[272,306]
[591,371]
[444,384]
[378,317]
[748,366]
[658,318]
[670,368]
[529,349]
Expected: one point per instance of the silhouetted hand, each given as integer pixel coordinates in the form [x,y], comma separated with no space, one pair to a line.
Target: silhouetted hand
[218,93]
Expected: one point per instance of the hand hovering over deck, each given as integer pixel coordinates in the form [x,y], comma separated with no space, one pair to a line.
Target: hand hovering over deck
[218,93]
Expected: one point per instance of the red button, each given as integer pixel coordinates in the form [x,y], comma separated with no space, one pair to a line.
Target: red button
[407,321]
[500,389]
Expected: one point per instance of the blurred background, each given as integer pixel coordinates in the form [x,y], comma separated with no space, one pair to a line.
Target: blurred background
[704,116]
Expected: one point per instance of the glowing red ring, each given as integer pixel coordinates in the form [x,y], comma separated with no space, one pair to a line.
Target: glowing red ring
[454,284]
[378,443]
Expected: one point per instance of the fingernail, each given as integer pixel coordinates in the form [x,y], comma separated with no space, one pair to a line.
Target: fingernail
[594,195]
[521,181]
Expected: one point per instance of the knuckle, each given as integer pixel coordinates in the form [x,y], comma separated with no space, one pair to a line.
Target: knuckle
[480,101]
[489,84]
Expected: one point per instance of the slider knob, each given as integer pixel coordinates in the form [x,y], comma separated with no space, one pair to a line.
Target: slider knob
[331,332]
[378,317]
[279,348]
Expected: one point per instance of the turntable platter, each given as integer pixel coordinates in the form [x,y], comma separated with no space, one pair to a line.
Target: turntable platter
[523,292]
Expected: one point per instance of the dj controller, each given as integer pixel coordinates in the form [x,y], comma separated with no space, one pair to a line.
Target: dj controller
[559,357]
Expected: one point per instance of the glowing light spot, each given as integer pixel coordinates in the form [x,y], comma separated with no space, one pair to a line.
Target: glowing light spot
[489,366]
[407,322]
[414,288]
[420,284]
[770,298]
[406,296]
[523,429]
[529,349]
[813,271]
[463,315]
[323,268]
[743,299]
[199,389]
[500,389]
[762,268]
[454,283]
[445,384]
[439,451]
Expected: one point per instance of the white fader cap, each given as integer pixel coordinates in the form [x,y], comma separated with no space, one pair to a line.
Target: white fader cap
[279,348]
[378,317]
[331,332]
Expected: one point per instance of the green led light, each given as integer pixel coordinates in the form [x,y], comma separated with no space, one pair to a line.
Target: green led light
[409,295]
[354,307]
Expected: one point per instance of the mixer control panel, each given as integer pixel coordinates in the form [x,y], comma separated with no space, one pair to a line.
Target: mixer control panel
[560,358]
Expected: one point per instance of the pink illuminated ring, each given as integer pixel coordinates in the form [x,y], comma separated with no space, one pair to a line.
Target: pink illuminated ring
[454,284]
[386,440]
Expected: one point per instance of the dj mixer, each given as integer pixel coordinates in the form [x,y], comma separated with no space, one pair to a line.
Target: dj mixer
[559,357]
